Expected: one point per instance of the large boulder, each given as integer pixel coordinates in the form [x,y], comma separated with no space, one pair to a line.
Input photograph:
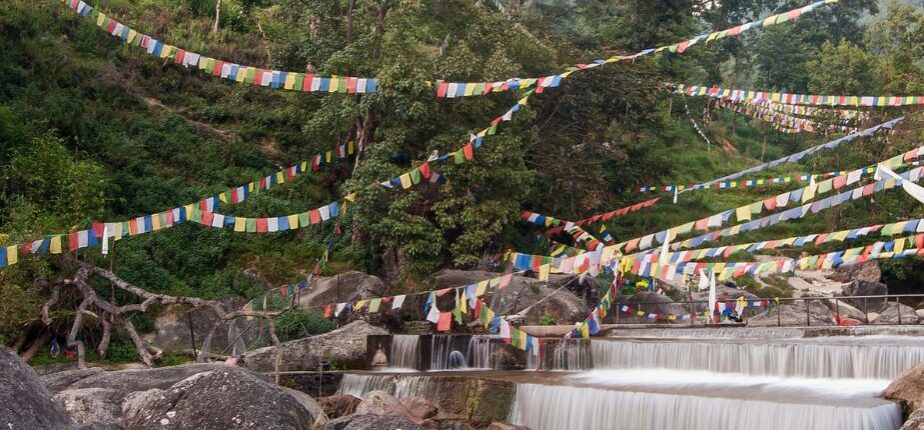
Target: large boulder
[522,293]
[868,271]
[175,322]
[341,288]
[846,311]
[346,345]
[125,381]
[793,314]
[497,425]
[24,402]
[225,398]
[372,422]
[908,388]
[866,288]
[915,421]
[340,405]
[380,403]
[890,315]
[92,405]
[649,302]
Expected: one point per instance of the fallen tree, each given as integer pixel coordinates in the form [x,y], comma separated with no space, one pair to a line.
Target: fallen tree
[108,313]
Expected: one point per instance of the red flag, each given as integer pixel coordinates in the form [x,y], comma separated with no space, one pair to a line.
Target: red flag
[445,322]
[328,312]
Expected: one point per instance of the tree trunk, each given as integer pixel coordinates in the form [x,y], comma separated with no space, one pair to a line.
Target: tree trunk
[103,345]
[217,16]
[278,345]
[29,353]
[349,24]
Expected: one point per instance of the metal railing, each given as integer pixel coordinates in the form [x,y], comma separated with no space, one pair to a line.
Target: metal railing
[773,304]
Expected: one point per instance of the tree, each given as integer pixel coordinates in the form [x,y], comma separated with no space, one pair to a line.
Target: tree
[844,68]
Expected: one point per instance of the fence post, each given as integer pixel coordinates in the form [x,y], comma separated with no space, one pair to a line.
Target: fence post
[778,322]
[865,311]
[618,311]
[808,317]
[898,307]
[837,310]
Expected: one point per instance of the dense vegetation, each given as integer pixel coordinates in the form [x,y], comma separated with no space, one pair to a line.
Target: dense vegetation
[91,130]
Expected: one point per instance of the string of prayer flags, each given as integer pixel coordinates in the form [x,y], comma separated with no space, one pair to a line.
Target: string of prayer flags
[797,99]
[464,89]
[782,119]
[845,115]
[282,80]
[577,233]
[818,239]
[309,82]
[606,216]
[792,158]
[894,249]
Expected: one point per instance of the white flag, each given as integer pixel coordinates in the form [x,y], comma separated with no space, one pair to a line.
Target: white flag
[913,190]
[434,315]
[106,239]
[398,302]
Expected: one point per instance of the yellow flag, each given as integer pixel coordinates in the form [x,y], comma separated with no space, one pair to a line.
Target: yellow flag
[405,181]
[12,255]
[544,272]
[55,246]
[240,224]
[482,287]
[743,213]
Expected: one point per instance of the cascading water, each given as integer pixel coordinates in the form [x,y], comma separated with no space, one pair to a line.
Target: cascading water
[876,359]
[545,407]
[442,347]
[404,352]
[481,352]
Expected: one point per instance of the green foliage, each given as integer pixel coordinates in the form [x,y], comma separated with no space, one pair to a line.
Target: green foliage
[547,319]
[91,130]
[299,323]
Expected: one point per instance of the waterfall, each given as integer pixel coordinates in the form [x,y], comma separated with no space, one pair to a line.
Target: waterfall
[358,384]
[563,354]
[404,352]
[443,346]
[714,333]
[481,352]
[542,407]
[872,359]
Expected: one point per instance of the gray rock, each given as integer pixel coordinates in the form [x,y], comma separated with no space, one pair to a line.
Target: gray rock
[846,310]
[173,327]
[226,398]
[866,288]
[56,382]
[372,422]
[128,381]
[648,301]
[344,287]
[346,345]
[793,314]
[868,271]
[522,292]
[915,421]
[24,402]
[381,403]
[92,405]
[890,315]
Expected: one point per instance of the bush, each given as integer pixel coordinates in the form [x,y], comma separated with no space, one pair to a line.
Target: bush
[547,319]
[299,323]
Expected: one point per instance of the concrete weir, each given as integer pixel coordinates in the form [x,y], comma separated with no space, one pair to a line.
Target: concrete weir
[657,378]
